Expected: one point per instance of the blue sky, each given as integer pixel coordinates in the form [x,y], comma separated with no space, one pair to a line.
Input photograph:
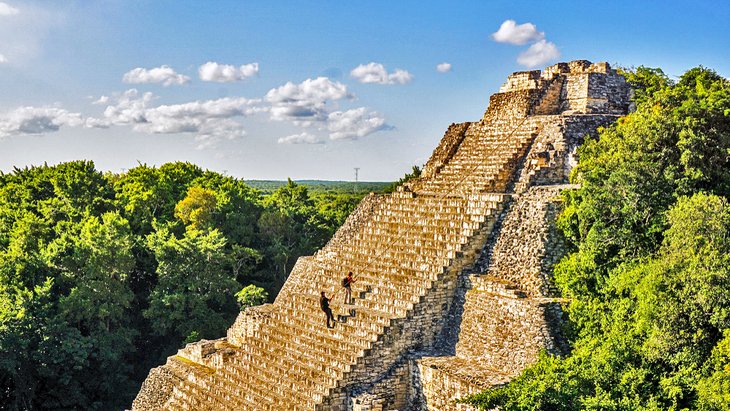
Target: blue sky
[301,89]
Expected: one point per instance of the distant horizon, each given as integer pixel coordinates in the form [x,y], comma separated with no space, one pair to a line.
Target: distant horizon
[224,172]
[268,91]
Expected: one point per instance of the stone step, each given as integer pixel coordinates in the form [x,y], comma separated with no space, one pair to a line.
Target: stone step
[195,391]
[275,376]
[292,337]
[324,341]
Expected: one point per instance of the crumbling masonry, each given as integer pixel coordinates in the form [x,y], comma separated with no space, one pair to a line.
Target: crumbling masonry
[454,291]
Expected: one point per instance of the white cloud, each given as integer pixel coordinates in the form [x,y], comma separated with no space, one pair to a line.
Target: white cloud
[354,123]
[443,67]
[3,59]
[101,100]
[224,73]
[209,120]
[163,74]
[512,33]
[376,73]
[39,120]
[538,54]
[305,102]
[7,10]
[211,132]
[301,138]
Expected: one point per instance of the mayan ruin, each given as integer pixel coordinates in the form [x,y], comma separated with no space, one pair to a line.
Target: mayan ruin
[453,270]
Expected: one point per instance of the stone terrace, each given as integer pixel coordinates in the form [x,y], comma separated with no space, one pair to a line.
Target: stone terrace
[453,289]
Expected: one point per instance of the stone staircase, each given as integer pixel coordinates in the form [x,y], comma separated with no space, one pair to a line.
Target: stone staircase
[485,161]
[425,268]
[291,360]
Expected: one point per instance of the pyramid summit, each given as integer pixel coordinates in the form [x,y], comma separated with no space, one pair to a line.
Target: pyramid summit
[453,272]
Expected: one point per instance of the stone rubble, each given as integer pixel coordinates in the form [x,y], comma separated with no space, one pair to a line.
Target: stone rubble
[453,291]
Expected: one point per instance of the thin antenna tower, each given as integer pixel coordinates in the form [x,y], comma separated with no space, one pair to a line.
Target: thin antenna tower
[354,187]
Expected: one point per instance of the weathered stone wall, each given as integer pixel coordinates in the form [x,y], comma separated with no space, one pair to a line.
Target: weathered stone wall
[447,147]
[248,323]
[553,152]
[503,328]
[529,244]
[512,106]
[505,314]
[453,273]
[355,220]
[588,88]
[391,392]
[156,389]
[595,88]
[439,381]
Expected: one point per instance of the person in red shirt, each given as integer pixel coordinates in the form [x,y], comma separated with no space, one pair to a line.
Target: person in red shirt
[347,285]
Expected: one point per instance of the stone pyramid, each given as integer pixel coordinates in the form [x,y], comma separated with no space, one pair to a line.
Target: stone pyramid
[453,291]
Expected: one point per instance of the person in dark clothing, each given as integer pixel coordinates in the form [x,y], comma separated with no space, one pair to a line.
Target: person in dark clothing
[347,285]
[324,303]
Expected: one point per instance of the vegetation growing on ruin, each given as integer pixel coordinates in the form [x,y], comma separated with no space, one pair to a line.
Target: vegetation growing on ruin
[103,275]
[415,173]
[649,277]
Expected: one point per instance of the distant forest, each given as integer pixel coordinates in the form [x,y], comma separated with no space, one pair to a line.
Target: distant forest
[104,275]
[317,187]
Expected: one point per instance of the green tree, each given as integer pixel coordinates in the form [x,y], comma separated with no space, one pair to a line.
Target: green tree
[238,207]
[195,289]
[415,173]
[645,81]
[63,291]
[251,295]
[714,390]
[290,227]
[197,208]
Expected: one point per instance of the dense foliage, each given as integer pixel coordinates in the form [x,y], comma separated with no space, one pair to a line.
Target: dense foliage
[103,275]
[415,173]
[649,278]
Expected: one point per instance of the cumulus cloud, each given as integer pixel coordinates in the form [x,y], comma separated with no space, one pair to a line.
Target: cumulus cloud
[212,132]
[305,102]
[209,120]
[301,138]
[376,73]
[512,33]
[538,54]
[3,59]
[354,123]
[39,120]
[443,67]
[7,10]
[224,73]
[164,75]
